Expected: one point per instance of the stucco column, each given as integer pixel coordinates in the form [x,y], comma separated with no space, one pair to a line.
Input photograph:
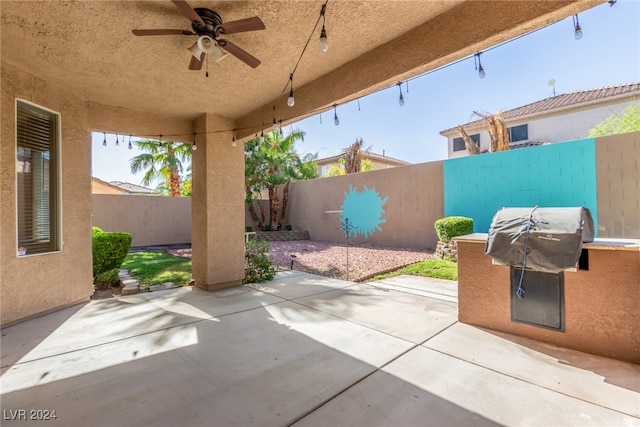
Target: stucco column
[217,206]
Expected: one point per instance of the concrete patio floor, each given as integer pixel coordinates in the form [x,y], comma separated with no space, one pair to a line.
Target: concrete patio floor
[302,350]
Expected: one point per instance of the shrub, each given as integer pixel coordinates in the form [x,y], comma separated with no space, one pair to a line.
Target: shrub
[109,250]
[107,278]
[248,229]
[266,227]
[452,226]
[257,266]
[288,227]
[96,230]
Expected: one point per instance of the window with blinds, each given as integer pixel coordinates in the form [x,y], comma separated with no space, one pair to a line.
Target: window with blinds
[37,163]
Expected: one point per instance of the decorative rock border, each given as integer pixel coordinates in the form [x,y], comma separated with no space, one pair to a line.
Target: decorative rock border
[283,235]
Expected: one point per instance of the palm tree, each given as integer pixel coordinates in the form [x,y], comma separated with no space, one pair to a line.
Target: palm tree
[162,161]
[270,164]
[253,181]
[352,160]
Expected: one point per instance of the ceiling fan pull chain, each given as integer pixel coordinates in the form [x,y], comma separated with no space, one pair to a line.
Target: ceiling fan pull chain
[206,74]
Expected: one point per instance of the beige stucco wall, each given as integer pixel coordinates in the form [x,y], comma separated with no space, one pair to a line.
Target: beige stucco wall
[415,201]
[602,306]
[149,220]
[217,206]
[618,185]
[39,283]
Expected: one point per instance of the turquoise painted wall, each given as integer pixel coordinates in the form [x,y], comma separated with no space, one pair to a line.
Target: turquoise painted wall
[554,175]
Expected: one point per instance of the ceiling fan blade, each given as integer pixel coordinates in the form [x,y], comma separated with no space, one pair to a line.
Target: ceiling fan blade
[239,53]
[162,32]
[196,64]
[188,11]
[241,25]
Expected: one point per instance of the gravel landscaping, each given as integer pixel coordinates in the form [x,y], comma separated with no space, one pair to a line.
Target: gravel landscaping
[330,259]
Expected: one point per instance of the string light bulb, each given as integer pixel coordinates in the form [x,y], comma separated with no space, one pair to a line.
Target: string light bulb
[117,141]
[576,27]
[194,147]
[401,98]
[291,101]
[336,121]
[104,141]
[323,42]
[275,124]
[281,132]
[233,139]
[130,146]
[478,65]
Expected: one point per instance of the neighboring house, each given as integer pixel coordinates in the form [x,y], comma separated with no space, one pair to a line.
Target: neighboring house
[99,186]
[134,189]
[378,161]
[564,117]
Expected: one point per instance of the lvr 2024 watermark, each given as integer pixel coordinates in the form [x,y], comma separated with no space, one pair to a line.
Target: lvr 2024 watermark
[29,414]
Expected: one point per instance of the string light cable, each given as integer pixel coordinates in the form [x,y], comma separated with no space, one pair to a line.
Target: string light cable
[322,109]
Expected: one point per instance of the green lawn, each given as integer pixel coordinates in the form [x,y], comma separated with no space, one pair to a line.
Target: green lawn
[438,268]
[156,268]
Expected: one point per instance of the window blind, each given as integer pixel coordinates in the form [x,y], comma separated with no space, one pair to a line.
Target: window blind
[36,168]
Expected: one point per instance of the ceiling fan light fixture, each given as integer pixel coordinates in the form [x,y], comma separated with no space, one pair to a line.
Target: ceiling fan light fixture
[207,25]
[218,54]
[195,50]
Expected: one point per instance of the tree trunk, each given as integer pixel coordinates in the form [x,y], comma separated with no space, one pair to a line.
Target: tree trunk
[252,212]
[353,157]
[274,203]
[285,201]
[471,146]
[249,203]
[493,134]
[503,134]
[174,183]
[263,215]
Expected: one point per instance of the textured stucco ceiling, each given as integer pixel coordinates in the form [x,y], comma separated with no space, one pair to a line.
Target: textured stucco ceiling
[87,47]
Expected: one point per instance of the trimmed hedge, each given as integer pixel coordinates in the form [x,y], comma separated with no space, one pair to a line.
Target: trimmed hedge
[452,226]
[109,250]
[106,279]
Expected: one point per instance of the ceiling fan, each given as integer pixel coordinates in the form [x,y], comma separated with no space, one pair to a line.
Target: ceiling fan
[208,26]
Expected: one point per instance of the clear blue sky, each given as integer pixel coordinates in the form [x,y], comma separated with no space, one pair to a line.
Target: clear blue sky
[516,74]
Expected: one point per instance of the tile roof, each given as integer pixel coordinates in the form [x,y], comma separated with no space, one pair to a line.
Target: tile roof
[133,188]
[372,156]
[563,100]
[526,144]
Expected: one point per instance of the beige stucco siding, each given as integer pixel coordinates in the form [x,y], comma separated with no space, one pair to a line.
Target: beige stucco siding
[35,284]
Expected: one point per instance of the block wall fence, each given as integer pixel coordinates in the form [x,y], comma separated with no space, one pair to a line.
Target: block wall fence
[398,206]
[555,175]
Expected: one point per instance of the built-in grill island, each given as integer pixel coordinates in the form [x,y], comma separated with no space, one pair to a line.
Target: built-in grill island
[539,273]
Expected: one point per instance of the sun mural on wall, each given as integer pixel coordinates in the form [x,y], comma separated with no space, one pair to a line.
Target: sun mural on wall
[364,209]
